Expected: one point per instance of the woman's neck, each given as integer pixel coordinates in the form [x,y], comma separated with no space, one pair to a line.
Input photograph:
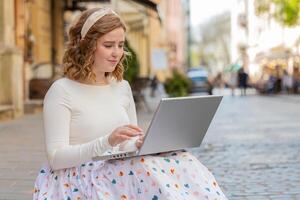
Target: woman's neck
[100,80]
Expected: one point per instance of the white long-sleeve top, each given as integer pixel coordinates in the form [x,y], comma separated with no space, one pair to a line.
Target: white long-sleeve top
[78,119]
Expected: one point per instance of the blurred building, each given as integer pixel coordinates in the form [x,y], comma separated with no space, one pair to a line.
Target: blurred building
[214,44]
[173,37]
[261,44]
[32,41]
[157,32]
[33,33]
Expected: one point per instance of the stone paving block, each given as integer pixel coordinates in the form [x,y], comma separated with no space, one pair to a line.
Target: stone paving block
[296,197]
[283,197]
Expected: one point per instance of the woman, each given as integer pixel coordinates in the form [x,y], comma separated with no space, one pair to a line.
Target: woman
[91,111]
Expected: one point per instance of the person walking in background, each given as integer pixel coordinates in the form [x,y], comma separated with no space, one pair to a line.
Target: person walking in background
[278,81]
[296,80]
[271,84]
[243,81]
[287,82]
[261,84]
[233,79]
[153,85]
[210,85]
[219,82]
[91,111]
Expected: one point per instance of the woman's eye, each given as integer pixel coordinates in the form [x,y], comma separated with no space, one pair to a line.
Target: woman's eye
[121,46]
[108,46]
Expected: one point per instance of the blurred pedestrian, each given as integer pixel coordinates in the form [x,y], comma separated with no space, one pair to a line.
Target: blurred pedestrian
[243,81]
[91,112]
[153,85]
[277,86]
[287,82]
[296,79]
[271,84]
[219,82]
[233,79]
[210,85]
[261,84]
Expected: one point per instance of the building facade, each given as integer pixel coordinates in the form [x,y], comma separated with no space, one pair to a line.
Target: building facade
[261,43]
[33,33]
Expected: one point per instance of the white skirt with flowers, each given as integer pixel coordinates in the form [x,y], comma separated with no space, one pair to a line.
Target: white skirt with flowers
[169,176]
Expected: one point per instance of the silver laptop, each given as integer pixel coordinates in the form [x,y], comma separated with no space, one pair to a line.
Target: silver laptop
[177,124]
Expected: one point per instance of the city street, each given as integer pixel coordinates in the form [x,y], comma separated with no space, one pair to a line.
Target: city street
[252,147]
[167,48]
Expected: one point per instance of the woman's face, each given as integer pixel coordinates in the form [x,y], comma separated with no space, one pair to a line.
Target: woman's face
[109,50]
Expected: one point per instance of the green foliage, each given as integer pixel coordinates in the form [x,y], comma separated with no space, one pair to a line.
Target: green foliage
[262,7]
[131,64]
[286,12]
[178,85]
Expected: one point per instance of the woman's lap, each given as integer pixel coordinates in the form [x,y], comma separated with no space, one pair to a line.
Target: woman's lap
[175,175]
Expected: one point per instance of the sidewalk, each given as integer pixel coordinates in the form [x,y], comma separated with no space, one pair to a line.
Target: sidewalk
[252,147]
[22,154]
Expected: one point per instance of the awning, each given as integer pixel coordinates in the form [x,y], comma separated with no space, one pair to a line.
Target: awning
[278,52]
[147,3]
[74,4]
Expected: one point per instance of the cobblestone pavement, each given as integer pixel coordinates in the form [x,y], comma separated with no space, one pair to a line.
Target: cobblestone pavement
[252,147]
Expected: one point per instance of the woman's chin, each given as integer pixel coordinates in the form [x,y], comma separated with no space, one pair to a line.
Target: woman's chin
[111,70]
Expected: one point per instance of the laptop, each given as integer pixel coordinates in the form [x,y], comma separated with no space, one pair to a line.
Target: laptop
[178,123]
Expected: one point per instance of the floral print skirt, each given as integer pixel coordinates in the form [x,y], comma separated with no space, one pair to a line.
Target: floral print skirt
[168,176]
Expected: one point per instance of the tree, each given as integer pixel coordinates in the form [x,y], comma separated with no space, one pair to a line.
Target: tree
[131,64]
[286,12]
[214,44]
[178,85]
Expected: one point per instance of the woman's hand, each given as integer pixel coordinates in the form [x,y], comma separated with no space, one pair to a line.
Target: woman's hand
[139,142]
[123,133]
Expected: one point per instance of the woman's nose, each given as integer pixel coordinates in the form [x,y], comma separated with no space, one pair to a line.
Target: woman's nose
[114,54]
[116,51]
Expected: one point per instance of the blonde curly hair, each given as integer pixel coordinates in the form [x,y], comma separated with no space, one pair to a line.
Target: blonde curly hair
[79,54]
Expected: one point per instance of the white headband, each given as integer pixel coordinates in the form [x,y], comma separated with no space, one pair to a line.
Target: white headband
[91,20]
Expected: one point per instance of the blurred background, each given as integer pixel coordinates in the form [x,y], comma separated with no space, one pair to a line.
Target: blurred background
[246,50]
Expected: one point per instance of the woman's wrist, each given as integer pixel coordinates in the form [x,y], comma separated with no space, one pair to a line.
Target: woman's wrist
[107,143]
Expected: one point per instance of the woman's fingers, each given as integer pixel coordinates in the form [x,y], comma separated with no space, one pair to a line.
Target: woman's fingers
[124,133]
[130,132]
[139,143]
[142,137]
[124,137]
[134,127]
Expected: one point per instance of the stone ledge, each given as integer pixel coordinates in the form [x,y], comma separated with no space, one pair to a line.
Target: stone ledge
[6,112]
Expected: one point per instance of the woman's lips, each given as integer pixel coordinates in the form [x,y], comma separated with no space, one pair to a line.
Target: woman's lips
[113,61]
